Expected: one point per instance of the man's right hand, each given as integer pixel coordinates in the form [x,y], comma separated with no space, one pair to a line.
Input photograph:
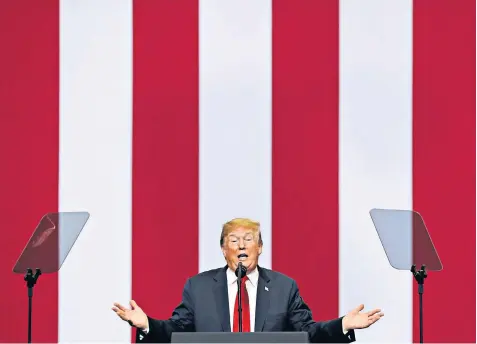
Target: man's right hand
[134,316]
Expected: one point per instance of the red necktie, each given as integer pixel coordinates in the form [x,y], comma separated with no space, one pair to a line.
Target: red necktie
[245,309]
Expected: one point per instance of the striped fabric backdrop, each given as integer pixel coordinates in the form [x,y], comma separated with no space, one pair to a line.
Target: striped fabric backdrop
[166,118]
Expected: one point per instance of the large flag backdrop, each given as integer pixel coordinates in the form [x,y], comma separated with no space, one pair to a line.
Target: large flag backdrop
[164,119]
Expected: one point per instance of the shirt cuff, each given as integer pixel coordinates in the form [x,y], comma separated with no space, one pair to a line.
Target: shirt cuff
[342,327]
[142,333]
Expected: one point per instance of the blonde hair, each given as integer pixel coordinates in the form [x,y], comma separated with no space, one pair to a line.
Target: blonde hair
[241,222]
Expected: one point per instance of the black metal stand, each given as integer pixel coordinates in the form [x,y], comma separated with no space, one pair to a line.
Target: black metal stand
[420,276]
[31,279]
[240,272]
[239,305]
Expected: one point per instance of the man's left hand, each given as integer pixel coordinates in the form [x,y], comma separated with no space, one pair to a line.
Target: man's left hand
[356,320]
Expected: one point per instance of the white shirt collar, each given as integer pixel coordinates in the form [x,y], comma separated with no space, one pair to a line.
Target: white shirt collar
[252,276]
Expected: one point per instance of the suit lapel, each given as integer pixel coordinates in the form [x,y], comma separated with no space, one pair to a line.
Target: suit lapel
[263,299]
[222,299]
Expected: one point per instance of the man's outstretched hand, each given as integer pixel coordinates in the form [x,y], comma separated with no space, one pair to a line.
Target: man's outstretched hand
[134,316]
[357,319]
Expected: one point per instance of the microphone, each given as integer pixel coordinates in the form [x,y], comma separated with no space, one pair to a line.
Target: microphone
[240,272]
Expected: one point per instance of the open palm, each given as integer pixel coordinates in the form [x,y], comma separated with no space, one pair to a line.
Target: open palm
[358,320]
[134,316]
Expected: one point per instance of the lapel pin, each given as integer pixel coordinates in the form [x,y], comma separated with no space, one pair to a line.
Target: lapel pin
[266,288]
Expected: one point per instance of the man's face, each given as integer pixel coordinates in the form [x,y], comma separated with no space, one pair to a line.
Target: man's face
[241,245]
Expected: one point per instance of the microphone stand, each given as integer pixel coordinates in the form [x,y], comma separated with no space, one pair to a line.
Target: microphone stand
[240,272]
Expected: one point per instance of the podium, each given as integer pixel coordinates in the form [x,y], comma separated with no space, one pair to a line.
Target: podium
[239,337]
[47,249]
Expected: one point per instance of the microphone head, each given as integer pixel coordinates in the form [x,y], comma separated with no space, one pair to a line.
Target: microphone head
[242,269]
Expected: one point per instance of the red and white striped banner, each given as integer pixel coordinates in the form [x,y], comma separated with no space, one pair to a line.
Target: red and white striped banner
[164,119]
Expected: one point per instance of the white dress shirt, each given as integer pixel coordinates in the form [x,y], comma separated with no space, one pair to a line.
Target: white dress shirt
[251,286]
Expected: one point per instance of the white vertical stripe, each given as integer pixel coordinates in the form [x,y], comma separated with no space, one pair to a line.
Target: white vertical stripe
[375,157]
[95,165]
[235,121]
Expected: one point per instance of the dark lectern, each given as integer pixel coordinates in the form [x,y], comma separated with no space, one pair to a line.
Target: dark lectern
[239,337]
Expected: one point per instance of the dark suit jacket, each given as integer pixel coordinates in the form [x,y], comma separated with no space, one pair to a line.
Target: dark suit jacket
[205,308]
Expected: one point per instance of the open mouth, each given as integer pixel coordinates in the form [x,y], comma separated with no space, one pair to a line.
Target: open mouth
[242,256]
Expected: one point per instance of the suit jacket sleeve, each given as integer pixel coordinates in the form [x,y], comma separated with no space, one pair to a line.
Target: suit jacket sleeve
[300,318]
[182,320]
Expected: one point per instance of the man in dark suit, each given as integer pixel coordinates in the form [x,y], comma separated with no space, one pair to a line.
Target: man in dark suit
[270,300]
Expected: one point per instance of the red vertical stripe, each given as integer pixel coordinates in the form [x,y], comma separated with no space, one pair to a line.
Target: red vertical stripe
[444,162]
[305,149]
[165,152]
[29,83]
